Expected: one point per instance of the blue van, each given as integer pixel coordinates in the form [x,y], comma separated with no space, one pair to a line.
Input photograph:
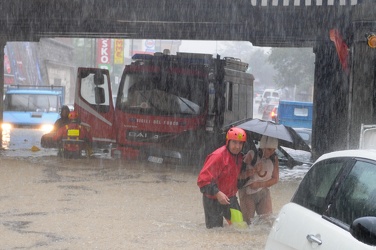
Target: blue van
[295,114]
[32,106]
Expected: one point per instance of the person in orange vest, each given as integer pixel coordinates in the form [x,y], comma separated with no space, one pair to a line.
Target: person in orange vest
[72,138]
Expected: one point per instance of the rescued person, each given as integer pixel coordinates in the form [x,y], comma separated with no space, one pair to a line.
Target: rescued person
[262,170]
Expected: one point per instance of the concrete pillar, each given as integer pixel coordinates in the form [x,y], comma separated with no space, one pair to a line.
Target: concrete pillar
[342,103]
[3,42]
[363,73]
[330,106]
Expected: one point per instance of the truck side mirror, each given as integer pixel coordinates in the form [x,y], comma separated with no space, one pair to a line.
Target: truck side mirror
[99,95]
[98,79]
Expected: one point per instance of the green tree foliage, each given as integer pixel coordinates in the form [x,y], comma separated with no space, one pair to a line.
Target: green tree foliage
[294,66]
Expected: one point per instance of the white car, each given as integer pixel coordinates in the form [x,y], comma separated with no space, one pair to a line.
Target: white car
[334,206]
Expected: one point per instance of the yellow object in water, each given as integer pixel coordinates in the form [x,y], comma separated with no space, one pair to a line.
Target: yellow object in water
[237,219]
[35,149]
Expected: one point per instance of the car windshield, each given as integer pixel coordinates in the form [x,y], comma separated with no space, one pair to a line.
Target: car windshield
[170,95]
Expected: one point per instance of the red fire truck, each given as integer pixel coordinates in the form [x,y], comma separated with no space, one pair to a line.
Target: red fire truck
[168,107]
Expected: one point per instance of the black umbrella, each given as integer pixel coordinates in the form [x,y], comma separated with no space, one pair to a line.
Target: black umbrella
[287,136]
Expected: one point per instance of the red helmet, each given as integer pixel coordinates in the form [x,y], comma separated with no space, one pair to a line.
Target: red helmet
[236,134]
[73,115]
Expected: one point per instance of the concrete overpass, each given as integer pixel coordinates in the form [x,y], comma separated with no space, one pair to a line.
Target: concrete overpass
[344,81]
[263,22]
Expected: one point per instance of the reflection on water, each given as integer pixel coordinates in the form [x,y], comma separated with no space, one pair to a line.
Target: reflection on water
[6,138]
[18,142]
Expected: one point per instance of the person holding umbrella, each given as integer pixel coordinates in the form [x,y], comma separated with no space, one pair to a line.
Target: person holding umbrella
[262,168]
[218,180]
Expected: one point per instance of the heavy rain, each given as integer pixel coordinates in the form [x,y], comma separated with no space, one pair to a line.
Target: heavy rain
[116,200]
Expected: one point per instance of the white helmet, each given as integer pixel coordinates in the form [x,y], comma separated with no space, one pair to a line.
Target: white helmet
[268,142]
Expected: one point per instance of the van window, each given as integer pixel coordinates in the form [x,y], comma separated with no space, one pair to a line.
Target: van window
[230,96]
[301,112]
[270,93]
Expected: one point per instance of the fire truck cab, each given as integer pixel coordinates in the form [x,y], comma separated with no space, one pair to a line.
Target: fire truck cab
[169,108]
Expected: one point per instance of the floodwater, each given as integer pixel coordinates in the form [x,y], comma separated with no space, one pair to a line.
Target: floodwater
[102,203]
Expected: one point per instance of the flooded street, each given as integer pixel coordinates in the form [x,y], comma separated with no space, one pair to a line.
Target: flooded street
[52,203]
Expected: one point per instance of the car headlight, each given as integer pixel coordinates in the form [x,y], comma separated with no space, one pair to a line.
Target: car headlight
[47,128]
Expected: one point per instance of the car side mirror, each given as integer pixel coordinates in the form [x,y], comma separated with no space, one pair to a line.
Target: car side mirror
[364,230]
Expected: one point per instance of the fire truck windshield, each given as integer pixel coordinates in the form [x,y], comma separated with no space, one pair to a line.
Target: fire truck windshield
[171,94]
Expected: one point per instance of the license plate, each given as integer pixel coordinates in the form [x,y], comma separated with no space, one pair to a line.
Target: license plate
[155,159]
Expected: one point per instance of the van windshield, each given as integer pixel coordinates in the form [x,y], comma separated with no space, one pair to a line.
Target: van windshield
[31,103]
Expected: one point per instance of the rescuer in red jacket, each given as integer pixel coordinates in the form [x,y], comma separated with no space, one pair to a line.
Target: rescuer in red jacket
[72,138]
[218,179]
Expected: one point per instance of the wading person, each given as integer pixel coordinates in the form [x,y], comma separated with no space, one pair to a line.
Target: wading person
[64,119]
[47,140]
[72,138]
[263,172]
[218,179]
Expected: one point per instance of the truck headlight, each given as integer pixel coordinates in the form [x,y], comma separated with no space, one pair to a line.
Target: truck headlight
[6,126]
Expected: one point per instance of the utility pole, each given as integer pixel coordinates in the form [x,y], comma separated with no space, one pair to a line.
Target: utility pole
[3,42]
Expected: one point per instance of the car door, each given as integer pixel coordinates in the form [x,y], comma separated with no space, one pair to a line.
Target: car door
[93,102]
[316,218]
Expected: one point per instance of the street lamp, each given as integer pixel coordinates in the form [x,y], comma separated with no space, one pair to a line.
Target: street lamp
[371,40]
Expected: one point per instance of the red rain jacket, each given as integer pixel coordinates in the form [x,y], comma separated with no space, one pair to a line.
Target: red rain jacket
[222,169]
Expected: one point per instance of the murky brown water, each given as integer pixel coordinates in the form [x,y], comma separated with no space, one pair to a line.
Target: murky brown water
[50,203]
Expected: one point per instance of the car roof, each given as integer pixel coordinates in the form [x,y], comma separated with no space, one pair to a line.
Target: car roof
[270,90]
[359,153]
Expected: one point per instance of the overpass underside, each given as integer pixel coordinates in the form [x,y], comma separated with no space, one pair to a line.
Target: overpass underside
[263,22]
[343,97]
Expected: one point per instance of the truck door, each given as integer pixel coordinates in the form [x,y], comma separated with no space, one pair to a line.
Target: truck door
[367,136]
[93,101]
